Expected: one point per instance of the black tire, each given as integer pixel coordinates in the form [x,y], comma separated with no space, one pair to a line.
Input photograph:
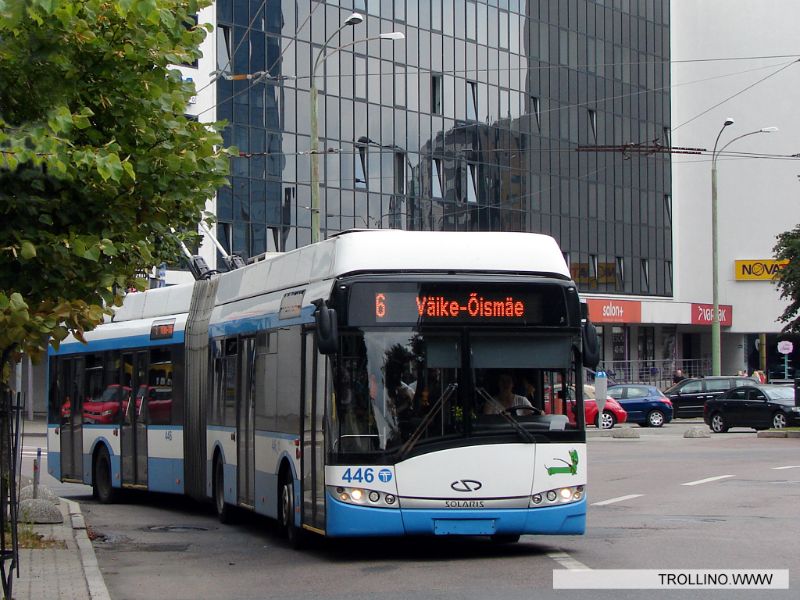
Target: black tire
[655,418]
[505,538]
[607,421]
[102,486]
[294,534]
[718,423]
[778,420]
[223,508]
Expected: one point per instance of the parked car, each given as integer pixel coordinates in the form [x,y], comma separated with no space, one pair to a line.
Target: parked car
[613,413]
[689,395]
[645,404]
[759,406]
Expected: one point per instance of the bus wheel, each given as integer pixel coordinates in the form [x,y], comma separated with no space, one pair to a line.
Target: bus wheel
[505,538]
[293,534]
[102,488]
[223,509]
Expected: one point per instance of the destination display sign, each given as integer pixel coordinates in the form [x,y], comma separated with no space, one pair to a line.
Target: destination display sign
[162,329]
[399,303]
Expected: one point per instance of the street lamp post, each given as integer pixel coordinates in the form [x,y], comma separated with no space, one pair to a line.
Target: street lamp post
[353,19]
[715,324]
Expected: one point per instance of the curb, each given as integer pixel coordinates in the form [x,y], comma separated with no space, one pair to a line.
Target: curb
[91,570]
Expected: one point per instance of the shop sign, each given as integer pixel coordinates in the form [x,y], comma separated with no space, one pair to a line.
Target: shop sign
[703,314]
[758,270]
[614,311]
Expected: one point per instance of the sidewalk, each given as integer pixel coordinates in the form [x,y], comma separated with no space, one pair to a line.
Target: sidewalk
[67,572]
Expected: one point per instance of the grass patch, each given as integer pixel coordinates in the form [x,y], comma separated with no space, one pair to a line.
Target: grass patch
[30,540]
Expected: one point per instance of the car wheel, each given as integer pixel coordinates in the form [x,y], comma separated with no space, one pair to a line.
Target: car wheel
[718,423]
[655,418]
[606,420]
[778,420]
[102,487]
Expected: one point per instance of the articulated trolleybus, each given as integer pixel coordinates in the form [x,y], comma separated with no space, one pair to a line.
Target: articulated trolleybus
[376,383]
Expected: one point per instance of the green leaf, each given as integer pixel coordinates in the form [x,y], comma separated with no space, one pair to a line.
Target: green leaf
[92,253]
[27,250]
[109,166]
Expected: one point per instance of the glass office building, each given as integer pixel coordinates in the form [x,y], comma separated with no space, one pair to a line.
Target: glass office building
[548,116]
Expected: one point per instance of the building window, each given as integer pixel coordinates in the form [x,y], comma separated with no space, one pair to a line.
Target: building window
[593,269]
[223,50]
[620,273]
[360,164]
[472,183]
[668,207]
[668,137]
[436,178]
[472,101]
[645,275]
[567,259]
[536,112]
[399,173]
[593,124]
[436,94]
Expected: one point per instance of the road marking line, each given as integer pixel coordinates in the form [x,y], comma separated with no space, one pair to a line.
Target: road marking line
[789,467]
[566,561]
[707,479]
[620,499]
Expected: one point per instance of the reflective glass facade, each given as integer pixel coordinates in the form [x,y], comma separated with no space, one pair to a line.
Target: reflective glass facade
[473,122]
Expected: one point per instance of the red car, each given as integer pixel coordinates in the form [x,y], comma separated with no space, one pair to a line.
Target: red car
[612,412]
[105,410]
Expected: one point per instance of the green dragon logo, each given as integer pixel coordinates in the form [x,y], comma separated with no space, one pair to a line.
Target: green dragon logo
[570,469]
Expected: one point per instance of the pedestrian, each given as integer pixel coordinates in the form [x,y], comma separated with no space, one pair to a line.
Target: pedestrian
[677,376]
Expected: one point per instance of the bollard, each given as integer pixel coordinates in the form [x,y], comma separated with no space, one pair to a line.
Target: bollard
[36,463]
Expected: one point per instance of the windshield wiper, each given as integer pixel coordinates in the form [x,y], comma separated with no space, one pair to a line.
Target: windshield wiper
[524,433]
[427,419]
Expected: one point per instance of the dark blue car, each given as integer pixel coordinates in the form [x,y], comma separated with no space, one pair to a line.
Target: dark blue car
[645,404]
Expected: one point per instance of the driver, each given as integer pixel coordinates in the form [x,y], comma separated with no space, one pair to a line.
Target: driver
[507,399]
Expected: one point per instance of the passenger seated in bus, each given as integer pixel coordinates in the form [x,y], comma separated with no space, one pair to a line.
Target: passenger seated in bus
[506,399]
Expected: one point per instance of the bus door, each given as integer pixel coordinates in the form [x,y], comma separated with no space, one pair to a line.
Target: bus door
[133,435]
[71,386]
[313,465]
[245,423]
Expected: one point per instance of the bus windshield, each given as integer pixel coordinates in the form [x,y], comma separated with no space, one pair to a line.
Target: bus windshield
[402,388]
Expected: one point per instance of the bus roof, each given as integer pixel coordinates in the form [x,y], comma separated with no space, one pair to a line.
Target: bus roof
[359,251]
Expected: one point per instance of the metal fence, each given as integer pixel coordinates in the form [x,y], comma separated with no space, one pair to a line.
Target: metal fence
[653,372]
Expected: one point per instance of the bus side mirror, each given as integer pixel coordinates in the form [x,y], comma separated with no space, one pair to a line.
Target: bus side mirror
[327,332]
[591,345]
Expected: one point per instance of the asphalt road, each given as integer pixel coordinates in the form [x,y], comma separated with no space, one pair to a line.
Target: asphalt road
[740,512]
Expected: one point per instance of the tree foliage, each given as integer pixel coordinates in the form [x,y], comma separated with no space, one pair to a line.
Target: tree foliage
[98,162]
[788,278]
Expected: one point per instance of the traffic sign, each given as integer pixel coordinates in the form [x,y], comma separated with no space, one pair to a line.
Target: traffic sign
[785,347]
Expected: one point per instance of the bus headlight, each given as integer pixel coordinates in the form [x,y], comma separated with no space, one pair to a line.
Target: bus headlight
[363,497]
[564,495]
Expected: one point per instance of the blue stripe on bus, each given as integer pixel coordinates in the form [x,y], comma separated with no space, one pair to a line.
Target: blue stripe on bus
[165,475]
[345,520]
[259,323]
[122,343]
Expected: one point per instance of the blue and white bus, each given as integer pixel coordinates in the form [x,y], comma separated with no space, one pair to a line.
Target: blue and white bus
[354,387]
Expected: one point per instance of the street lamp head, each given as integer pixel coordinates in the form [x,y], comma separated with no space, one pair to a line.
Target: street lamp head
[768,129]
[729,121]
[354,19]
[394,35]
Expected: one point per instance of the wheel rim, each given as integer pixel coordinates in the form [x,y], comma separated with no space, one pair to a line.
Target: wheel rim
[287,505]
[779,421]
[716,423]
[606,421]
[656,419]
